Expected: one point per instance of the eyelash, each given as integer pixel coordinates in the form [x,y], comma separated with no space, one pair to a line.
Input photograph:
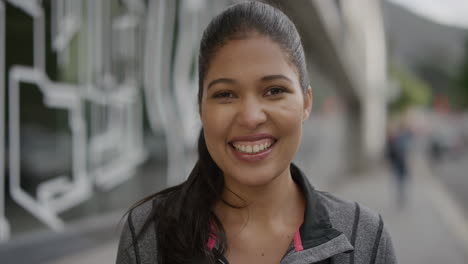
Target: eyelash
[223,94]
[279,89]
[227,94]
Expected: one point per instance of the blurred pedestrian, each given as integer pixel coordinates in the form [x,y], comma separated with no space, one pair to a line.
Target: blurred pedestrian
[397,148]
[244,201]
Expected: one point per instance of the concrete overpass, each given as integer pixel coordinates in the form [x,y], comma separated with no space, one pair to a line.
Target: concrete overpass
[344,40]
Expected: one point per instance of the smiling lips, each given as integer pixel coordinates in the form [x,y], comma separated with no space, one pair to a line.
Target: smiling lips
[252,148]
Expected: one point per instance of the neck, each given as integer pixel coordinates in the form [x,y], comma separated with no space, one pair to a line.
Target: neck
[278,203]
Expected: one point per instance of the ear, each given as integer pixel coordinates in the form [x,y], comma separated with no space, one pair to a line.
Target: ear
[307,104]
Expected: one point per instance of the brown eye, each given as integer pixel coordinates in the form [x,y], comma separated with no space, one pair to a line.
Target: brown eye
[275,91]
[224,94]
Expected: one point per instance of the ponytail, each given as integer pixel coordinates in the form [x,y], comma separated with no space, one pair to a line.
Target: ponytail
[183,214]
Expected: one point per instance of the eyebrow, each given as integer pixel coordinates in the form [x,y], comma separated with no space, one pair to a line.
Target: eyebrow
[274,77]
[221,80]
[263,79]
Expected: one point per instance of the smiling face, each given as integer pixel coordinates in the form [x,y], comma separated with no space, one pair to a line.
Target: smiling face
[252,110]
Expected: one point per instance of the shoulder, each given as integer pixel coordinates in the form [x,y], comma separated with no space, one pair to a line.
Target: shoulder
[137,234]
[364,228]
[139,215]
[344,213]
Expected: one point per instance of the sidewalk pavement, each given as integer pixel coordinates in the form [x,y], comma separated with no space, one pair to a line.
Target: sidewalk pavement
[430,229]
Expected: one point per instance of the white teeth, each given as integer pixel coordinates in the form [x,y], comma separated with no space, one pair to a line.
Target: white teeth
[251,149]
[256,148]
[248,149]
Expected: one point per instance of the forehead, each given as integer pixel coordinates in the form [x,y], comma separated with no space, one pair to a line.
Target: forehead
[250,58]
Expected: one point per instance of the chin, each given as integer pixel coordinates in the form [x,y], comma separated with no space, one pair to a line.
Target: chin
[254,177]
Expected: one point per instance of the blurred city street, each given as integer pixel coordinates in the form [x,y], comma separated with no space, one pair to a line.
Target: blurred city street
[453,173]
[430,228]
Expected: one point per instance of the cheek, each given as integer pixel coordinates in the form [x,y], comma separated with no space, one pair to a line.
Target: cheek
[288,114]
[212,119]
[216,124]
[287,119]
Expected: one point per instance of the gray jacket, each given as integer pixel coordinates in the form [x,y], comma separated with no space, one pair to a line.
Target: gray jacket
[334,231]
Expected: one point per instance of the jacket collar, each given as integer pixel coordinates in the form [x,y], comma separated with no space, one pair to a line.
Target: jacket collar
[316,228]
[316,239]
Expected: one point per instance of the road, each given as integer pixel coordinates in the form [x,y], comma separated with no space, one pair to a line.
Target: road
[453,173]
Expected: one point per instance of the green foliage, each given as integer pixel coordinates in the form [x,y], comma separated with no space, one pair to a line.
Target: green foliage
[413,91]
[460,91]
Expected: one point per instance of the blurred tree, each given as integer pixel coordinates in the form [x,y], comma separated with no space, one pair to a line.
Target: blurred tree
[460,91]
[412,90]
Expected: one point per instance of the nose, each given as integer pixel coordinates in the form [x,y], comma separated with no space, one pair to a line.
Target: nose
[251,113]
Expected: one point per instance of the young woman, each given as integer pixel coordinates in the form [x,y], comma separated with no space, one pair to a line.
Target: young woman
[244,201]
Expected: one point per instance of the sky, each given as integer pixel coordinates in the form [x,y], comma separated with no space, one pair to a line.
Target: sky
[449,12]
